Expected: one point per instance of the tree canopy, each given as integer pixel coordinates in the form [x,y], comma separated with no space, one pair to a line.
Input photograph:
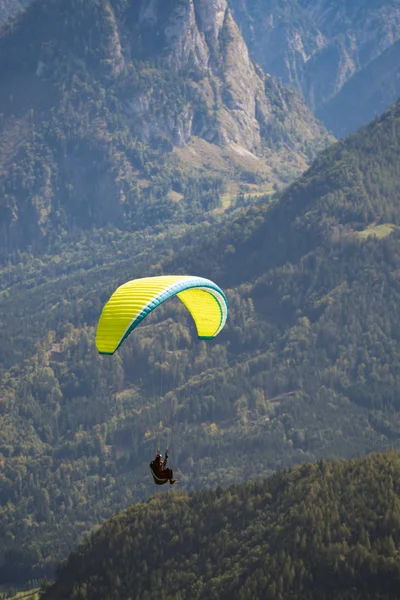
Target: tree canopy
[325,531]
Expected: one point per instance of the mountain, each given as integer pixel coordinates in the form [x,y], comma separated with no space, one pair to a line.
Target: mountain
[326,531]
[316,47]
[306,368]
[114,111]
[366,95]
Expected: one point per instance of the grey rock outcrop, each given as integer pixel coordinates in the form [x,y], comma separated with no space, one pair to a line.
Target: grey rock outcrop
[201,36]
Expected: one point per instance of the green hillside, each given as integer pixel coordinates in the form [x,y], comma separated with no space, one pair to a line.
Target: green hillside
[307,366]
[325,531]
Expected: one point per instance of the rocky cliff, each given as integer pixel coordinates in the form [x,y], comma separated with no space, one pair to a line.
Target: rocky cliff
[100,99]
[235,103]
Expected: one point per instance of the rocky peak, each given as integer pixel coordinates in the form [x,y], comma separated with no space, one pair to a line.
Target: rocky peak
[210,17]
[220,96]
[189,31]
[202,36]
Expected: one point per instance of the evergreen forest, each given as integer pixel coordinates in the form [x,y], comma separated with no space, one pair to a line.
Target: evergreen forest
[326,531]
[306,367]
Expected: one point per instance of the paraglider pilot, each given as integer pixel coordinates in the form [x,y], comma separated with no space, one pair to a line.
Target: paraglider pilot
[159,469]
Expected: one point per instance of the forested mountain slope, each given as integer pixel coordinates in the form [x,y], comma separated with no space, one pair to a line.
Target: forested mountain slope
[114,112]
[307,366]
[349,194]
[325,532]
[316,47]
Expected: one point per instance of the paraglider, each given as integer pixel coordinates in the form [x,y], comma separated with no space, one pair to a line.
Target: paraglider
[161,474]
[134,300]
[130,304]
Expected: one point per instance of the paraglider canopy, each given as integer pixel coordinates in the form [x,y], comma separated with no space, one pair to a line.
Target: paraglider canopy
[134,300]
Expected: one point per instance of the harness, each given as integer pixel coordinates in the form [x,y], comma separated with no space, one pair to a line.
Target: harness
[158,480]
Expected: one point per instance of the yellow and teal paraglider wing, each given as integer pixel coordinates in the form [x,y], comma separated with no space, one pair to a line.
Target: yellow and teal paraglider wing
[208,307]
[134,300]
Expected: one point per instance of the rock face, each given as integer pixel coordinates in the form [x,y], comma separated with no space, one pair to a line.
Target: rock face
[92,82]
[317,46]
[224,97]
[201,39]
